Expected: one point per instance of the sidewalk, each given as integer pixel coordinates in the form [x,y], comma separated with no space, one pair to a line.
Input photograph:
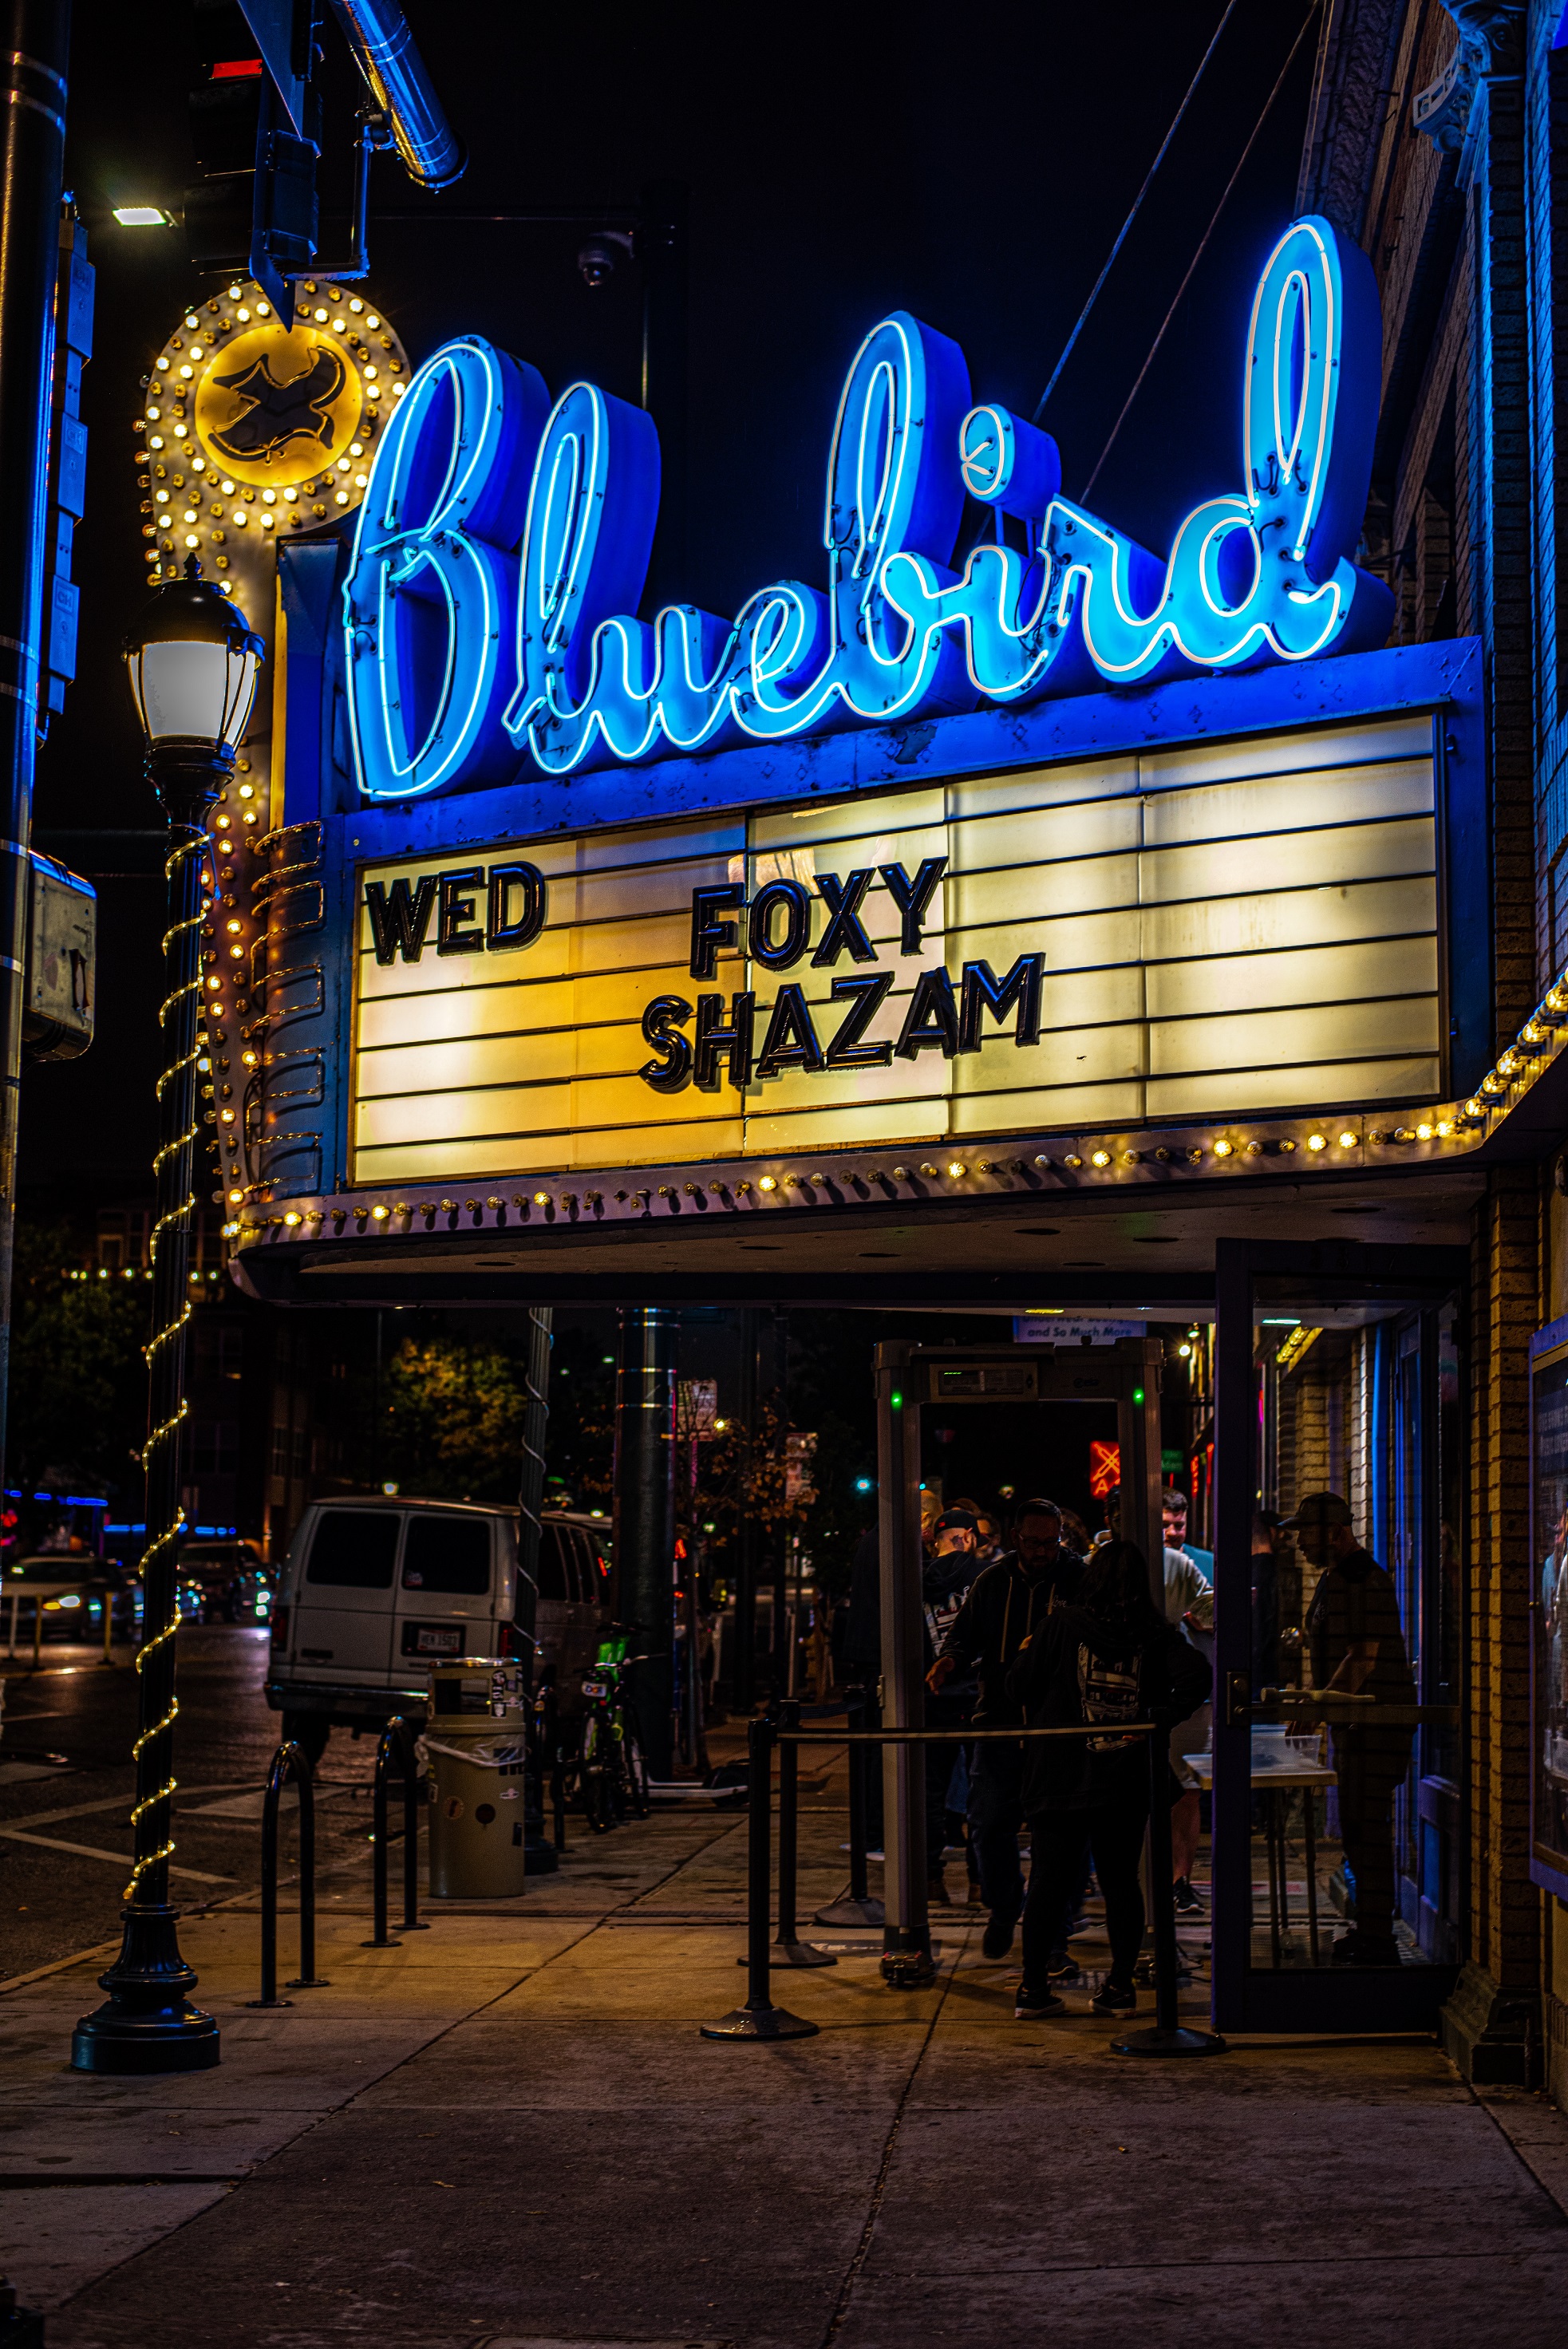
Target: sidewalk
[507,2134]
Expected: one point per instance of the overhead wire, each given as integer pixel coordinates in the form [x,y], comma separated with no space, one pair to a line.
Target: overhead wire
[1137,206]
[1192,266]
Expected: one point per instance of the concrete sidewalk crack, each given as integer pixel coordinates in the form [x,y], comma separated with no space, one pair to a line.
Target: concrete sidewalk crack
[862,2249]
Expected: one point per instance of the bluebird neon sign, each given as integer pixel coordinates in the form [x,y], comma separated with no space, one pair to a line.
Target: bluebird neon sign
[503,547]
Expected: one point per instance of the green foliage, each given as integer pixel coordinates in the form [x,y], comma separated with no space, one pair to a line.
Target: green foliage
[79,1379]
[454,1413]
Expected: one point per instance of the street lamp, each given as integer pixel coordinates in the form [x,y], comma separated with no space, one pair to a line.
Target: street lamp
[192,663]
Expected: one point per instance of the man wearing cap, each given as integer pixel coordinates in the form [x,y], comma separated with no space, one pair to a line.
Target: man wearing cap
[1356,1644]
[996,1617]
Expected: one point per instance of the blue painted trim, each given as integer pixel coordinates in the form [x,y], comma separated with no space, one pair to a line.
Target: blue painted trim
[1093,726]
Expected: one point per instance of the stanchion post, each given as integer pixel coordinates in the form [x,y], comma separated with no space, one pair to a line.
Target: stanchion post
[759,2018]
[380,1937]
[269,1996]
[789,1949]
[1168,2037]
[411,1923]
[857,1908]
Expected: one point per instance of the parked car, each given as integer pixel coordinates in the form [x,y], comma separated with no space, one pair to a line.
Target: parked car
[66,1592]
[224,1582]
[376,1590]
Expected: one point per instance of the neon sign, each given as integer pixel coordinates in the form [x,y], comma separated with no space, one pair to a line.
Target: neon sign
[503,546]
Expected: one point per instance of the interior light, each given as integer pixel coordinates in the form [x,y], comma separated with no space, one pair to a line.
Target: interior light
[142,216]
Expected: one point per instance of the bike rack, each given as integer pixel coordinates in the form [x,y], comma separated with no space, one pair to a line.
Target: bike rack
[289,1761]
[398,1735]
[760,2019]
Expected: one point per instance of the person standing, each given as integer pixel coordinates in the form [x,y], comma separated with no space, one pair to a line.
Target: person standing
[1190,1608]
[1109,1659]
[1175,1532]
[1002,1608]
[1356,1644]
[949,1575]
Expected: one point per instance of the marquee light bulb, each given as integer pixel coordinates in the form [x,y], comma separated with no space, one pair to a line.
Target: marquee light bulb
[1223,1149]
[1317,1141]
[1348,1141]
[766,1182]
[1099,1157]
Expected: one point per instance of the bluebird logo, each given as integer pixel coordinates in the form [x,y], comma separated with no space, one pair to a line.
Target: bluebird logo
[503,546]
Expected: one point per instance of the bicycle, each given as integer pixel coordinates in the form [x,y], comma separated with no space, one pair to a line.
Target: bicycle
[612,1775]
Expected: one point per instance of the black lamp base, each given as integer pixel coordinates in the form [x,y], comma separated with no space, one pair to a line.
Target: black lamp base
[147,2024]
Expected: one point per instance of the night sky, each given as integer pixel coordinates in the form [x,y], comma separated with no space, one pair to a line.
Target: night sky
[842,161]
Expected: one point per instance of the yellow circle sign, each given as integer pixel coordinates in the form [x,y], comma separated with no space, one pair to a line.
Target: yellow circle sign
[274,409]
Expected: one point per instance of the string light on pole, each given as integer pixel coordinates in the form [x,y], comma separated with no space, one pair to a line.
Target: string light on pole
[192,663]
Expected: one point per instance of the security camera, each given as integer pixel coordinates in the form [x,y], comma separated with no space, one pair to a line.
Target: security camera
[603,254]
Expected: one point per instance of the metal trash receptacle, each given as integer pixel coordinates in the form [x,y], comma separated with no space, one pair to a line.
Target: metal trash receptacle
[476,1737]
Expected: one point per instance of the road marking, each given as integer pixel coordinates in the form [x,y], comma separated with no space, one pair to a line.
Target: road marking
[120,1858]
[112,1802]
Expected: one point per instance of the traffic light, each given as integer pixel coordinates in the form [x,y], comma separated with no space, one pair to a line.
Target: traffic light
[254,208]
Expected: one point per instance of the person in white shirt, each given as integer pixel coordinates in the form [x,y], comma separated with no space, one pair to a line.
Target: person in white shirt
[1189,1603]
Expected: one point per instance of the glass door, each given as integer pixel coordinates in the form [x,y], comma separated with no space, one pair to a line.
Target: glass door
[1336,1850]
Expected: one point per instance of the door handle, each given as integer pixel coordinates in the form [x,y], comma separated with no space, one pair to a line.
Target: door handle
[1237,1698]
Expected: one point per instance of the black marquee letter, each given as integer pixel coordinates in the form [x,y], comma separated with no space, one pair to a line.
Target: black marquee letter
[983,991]
[931,1020]
[500,932]
[662,1029]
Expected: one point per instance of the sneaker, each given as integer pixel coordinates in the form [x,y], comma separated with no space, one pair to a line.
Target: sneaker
[1188,1904]
[1034,2006]
[937,1890]
[997,1939]
[1065,1969]
[1115,1998]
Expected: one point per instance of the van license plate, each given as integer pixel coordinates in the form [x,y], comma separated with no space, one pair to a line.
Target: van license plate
[432,1640]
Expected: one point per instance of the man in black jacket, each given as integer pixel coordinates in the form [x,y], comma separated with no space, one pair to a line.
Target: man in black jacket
[1002,1608]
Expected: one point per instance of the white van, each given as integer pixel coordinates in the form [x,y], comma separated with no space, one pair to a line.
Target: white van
[376,1591]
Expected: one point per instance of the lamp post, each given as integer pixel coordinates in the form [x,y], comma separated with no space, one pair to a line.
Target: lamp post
[192,662]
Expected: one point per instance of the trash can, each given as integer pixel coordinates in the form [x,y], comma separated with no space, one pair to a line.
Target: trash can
[476,1737]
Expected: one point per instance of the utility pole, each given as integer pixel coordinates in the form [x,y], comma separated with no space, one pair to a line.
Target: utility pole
[645,1522]
[36,44]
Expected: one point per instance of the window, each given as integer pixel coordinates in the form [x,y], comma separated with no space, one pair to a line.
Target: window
[354,1548]
[553,1583]
[449,1556]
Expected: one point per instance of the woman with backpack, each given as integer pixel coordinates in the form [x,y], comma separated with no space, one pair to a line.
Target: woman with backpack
[1109,1659]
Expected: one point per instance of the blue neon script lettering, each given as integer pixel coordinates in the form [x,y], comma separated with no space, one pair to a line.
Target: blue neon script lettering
[501,550]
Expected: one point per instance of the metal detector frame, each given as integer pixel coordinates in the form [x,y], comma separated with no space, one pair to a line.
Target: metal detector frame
[908,1377]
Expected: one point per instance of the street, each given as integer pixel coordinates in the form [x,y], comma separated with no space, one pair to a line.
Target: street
[67,1782]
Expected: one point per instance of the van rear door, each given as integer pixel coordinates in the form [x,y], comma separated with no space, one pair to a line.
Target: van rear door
[445,1605]
[343,1601]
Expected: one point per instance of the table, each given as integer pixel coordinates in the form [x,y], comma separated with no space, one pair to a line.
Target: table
[1283,1779]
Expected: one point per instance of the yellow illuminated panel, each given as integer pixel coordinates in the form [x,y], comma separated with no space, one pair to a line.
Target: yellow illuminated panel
[1246,928]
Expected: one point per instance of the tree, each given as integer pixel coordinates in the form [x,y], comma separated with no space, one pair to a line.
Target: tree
[77,1411]
[455,1414]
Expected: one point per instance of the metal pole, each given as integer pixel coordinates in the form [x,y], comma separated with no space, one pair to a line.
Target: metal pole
[1168,2037]
[309,1978]
[539,1854]
[411,1923]
[759,2018]
[789,1949]
[149,2023]
[857,1908]
[380,1937]
[645,1522]
[36,44]
[906,1933]
[269,1996]
[744,1674]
